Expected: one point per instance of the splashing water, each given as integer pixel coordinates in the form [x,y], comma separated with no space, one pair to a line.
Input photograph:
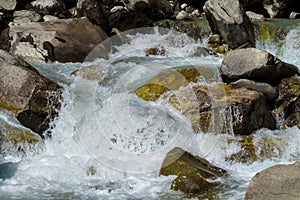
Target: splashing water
[109,144]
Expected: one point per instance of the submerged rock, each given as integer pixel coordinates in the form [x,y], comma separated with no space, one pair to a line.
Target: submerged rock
[257,148]
[63,40]
[172,80]
[15,139]
[192,172]
[228,19]
[34,99]
[257,65]
[276,183]
[223,109]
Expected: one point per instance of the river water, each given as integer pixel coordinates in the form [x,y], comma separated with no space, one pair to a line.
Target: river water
[109,144]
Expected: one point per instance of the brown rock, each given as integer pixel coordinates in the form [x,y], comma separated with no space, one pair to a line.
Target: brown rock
[223,109]
[64,40]
[269,91]
[289,100]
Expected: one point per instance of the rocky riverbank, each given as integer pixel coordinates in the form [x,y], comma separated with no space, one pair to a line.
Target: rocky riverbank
[258,87]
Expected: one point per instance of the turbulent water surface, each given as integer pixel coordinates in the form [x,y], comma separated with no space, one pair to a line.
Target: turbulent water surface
[109,144]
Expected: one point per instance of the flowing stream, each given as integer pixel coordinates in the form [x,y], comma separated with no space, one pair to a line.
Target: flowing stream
[109,144]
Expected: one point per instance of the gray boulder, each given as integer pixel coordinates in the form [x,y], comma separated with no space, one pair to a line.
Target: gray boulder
[257,65]
[228,19]
[63,40]
[277,183]
[32,98]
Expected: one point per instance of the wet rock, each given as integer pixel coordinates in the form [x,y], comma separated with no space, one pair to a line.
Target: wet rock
[217,44]
[34,99]
[292,120]
[275,30]
[255,17]
[25,16]
[257,148]
[257,65]
[276,182]
[159,50]
[15,139]
[49,7]
[223,109]
[172,80]
[8,4]
[288,101]
[192,172]
[267,90]
[63,40]
[96,12]
[195,28]
[128,20]
[228,19]
[93,72]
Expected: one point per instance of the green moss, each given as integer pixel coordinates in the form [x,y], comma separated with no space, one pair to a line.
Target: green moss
[166,81]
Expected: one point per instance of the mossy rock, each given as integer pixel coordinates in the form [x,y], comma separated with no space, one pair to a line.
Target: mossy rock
[191,171]
[257,149]
[274,30]
[173,79]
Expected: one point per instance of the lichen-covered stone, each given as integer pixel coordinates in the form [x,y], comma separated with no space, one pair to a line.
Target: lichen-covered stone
[17,139]
[173,80]
[192,172]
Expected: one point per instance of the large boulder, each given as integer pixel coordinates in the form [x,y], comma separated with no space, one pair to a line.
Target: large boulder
[228,19]
[277,182]
[257,65]
[192,172]
[223,109]
[63,40]
[34,99]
